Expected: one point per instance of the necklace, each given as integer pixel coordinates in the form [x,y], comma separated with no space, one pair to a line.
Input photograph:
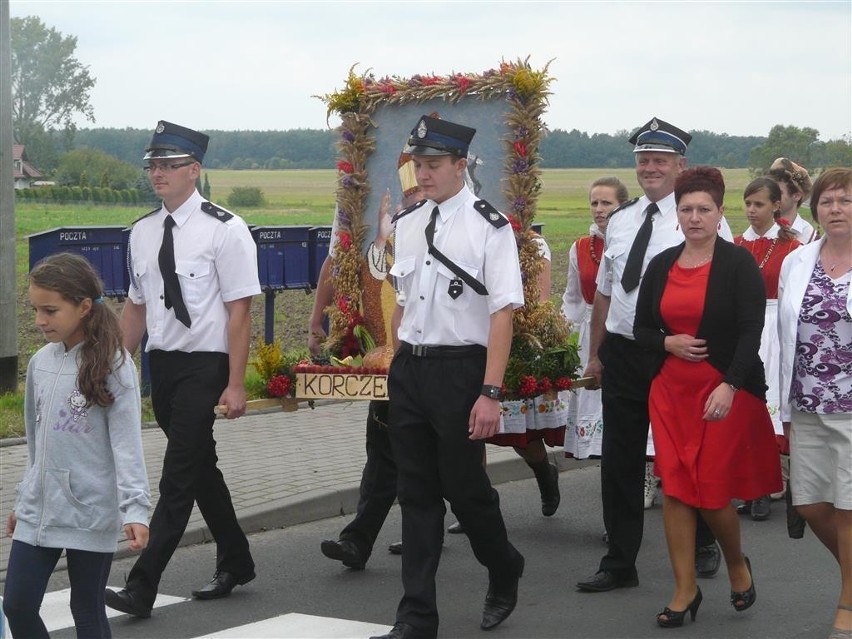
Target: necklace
[696,264]
[832,262]
[765,259]
[751,245]
[592,251]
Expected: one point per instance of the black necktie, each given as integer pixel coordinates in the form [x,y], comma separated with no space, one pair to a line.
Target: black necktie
[633,268]
[463,275]
[171,286]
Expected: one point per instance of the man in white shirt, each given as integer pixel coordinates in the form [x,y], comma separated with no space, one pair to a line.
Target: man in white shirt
[637,231]
[193,270]
[458,280]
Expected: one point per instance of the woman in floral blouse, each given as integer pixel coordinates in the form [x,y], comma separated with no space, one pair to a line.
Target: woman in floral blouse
[815,331]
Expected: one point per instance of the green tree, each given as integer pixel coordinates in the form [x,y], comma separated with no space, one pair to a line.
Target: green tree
[114,173]
[785,141]
[836,152]
[205,190]
[246,196]
[49,85]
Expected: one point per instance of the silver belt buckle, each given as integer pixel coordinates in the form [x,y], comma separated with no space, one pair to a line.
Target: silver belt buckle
[418,350]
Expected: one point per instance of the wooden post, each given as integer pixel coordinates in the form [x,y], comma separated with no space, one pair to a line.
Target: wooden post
[8,288]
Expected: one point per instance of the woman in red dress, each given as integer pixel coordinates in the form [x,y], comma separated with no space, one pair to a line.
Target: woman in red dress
[769,239]
[699,315]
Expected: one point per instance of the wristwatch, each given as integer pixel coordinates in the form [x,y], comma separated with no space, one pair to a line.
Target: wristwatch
[492,392]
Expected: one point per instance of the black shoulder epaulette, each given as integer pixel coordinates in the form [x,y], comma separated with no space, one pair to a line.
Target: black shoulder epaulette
[494,217]
[214,211]
[623,206]
[410,209]
[156,210]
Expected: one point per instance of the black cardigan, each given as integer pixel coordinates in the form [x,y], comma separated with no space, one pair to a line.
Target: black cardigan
[732,321]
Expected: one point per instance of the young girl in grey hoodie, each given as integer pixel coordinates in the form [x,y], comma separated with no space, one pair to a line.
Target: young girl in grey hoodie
[86,475]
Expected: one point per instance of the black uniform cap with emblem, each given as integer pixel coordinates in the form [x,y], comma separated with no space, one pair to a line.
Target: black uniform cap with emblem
[175,141]
[658,135]
[433,136]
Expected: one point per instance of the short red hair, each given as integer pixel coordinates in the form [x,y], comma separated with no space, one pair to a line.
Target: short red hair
[707,179]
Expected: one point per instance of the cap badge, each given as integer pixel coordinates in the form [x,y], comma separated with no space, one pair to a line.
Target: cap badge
[421,129]
[160,127]
[654,125]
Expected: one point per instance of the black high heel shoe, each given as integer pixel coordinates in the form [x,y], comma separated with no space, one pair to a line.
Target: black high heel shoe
[669,618]
[745,599]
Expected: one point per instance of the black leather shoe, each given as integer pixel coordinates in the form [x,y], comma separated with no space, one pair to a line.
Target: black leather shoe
[761,508]
[395,548]
[549,489]
[707,560]
[344,551]
[405,631]
[604,580]
[128,602]
[500,602]
[455,529]
[222,584]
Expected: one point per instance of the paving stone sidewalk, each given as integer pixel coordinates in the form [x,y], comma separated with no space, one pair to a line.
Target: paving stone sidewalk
[283,468]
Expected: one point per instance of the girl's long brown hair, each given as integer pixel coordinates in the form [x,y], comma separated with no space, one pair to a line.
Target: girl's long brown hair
[75,280]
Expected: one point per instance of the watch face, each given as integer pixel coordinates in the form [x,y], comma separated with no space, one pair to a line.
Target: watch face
[492,392]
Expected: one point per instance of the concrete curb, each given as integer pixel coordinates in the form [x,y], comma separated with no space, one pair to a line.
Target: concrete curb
[325,503]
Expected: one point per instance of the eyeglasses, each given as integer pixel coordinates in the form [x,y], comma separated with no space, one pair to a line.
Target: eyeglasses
[166,168]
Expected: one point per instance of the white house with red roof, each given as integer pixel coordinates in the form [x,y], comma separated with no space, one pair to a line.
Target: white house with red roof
[25,173]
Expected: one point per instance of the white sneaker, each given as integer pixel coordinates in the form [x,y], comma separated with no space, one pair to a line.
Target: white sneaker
[651,483]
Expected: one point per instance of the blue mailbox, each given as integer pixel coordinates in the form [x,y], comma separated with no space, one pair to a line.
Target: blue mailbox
[318,245]
[282,257]
[104,246]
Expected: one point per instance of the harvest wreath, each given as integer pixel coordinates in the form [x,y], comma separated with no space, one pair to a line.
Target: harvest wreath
[543,357]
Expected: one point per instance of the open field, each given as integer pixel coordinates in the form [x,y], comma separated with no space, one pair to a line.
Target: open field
[307,198]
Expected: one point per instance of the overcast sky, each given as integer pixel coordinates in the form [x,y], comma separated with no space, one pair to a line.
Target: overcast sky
[729,67]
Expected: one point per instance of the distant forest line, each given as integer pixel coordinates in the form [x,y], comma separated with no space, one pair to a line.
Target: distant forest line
[315,149]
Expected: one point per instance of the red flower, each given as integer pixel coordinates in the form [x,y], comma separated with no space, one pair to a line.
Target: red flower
[521,149]
[564,383]
[388,88]
[516,224]
[544,385]
[346,167]
[344,240]
[278,386]
[462,82]
[430,80]
[783,222]
[527,386]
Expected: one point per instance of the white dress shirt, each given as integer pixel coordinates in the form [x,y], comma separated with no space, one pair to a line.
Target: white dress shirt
[216,262]
[620,233]
[488,254]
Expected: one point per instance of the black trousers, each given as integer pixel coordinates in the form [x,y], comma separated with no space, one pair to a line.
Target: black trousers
[625,387]
[185,387]
[378,483]
[431,399]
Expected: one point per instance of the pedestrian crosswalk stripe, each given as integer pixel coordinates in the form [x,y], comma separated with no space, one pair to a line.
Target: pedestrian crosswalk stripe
[299,626]
[56,614]
[56,608]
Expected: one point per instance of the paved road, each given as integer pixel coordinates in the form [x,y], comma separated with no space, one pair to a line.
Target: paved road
[283,468]
[299,594]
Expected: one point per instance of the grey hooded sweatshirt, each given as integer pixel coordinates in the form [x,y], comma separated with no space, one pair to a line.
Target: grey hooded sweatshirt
[86,476]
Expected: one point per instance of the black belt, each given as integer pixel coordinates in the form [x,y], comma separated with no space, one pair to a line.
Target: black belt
[419,350]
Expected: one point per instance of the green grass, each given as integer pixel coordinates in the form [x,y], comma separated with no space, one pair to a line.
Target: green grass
[306,197]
